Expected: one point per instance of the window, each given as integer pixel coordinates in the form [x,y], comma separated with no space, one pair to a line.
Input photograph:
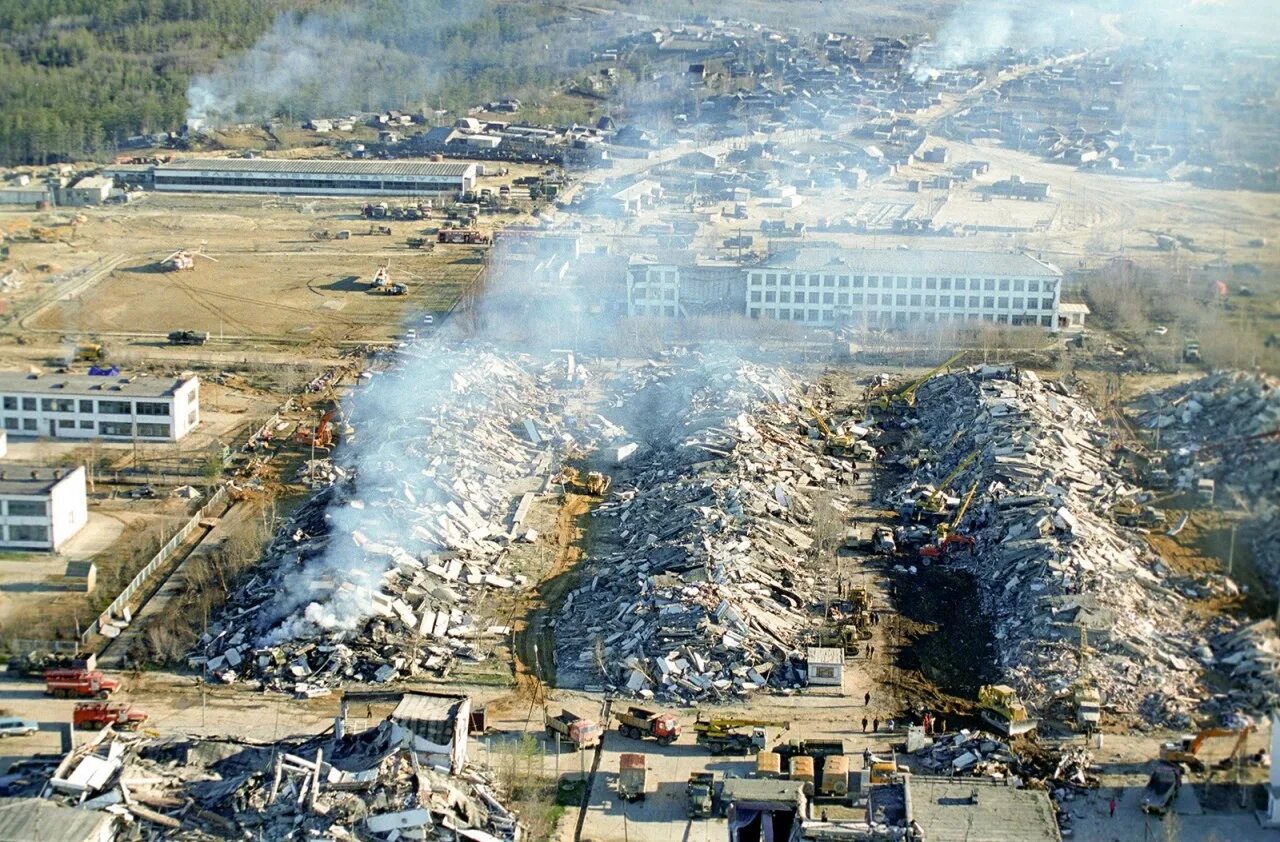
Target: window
[754,312]
[1033,304]
[86,425]
[113,407]
[989,285]
[829,281]
[931,301]
[785,280]
[973,301]
[755,296]
[916,283]
[1033,286]
[915,299]
[112,428]
[988,302]
[28,533]
[873,282]
[66,424]
[873,298]
[771,279]
[10,403]
[27,508]
[825,672]
[828,298]
[29,425]
[1003,302]
[902,299]
[11,423]
[856,298]
[844,282]
[1019,303]
[946,283]
[770,296]
[57,405]
[785,297]
[827,316]
[901,282]
[858,281]
[814,281]
[1045,321]
[86,407]
[1046,304]
[28,404]
[843,298]
[944,301]
[1002,319]
[1019,285]
[813,315]
[797,315]
[1004,284]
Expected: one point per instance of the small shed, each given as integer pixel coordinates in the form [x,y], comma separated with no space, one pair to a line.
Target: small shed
[82,575]
[826,666]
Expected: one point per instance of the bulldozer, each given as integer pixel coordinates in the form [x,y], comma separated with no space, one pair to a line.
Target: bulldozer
[592,483]
[1004,711]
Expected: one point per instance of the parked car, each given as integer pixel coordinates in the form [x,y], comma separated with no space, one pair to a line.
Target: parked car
[1160,330]
[13,727]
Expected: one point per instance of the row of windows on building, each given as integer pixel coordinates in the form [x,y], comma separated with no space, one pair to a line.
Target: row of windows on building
[86,407]
[26,508]
[104,428]
[901,299]
[318,183]
[895,318]
[26,532]
[903,282]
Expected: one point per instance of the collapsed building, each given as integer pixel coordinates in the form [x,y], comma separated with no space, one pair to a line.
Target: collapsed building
[404,778]
[697,589]
[1053,569]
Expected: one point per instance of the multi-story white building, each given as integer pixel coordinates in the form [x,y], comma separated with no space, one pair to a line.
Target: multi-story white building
[40,508]
[77,406]
[653,285]
[315,177]
[889,288]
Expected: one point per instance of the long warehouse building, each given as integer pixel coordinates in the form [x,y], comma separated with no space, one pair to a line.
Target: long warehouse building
[314,178]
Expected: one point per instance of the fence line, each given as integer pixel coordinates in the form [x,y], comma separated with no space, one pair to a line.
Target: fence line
[24,645]
[218,498]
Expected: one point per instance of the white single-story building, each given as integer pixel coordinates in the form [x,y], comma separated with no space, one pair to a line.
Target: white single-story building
[826,666]
[40,508]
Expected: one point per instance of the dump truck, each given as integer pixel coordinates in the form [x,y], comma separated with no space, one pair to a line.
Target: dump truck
[631,777]
[188,337]
[882,541]
[725,735]
[700,794]
[94,716]
[579,732]
[1191,351]
[1161,789]
[638,723]
[1004,711]
[593,483]
[1129,513]
[71,683]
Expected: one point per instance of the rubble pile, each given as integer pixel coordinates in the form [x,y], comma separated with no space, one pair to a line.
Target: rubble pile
[966,753]
[1218,427]
[1048,562]
[698,591]
[380,576]
[367,785]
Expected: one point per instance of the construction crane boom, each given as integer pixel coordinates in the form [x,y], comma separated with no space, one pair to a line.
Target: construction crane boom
[934,501]
[907,395]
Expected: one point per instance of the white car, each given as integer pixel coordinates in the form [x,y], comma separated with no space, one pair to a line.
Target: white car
[12,727]
[1160,330]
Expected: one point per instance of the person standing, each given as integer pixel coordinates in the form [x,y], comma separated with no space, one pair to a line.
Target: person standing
[1113,806]
[866,700]
[864,725]
[875,725]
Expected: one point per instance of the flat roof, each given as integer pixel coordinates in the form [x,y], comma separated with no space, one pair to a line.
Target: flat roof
[1074,307]
[825,655]
[32,480]
[973,809]
[915,262]
[91,385]
[26,819]
[320,167]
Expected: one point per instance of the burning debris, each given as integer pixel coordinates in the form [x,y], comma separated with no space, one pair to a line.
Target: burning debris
[1053,570]
[383,783]
[702,592]
[380,574]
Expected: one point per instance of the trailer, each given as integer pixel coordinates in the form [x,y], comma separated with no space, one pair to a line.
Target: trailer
[462,236]
[632,777]
[188,337]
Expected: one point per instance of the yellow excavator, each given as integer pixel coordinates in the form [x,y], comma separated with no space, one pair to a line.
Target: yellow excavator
[936,500]
[1183,752]
[906,397]
[836,444]
[948,537]
[723,734]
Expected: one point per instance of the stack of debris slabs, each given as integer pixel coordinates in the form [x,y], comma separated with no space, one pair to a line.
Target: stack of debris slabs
[1226,427]
[1048,562]
[384,574]
[362,786]
[695,589]
[968,754]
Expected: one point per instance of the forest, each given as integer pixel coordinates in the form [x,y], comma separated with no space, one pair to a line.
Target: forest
[78,77]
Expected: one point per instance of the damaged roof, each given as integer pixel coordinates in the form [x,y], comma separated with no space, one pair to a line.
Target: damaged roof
[38,820]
